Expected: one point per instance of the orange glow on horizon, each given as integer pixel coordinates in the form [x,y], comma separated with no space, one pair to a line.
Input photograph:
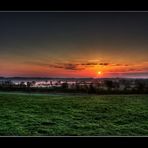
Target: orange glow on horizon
[15,68]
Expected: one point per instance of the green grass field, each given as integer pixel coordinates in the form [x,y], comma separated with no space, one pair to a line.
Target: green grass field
[73,115]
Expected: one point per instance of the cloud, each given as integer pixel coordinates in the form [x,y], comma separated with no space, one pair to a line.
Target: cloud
[73,67]
[104,64]
[120,65]
[116,64]
[67,66]
[90,64]
[56,66]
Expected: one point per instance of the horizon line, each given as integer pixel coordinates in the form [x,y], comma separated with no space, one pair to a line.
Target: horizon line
[74,77]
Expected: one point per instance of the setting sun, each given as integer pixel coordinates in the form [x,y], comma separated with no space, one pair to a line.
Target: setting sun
[99,72]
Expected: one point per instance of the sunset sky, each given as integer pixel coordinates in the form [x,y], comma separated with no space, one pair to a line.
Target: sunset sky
[74,44]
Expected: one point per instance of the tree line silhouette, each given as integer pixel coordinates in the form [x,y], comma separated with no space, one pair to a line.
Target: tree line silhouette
[107,87]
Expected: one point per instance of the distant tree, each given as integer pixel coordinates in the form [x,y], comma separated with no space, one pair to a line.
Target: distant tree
[33,82]
[65,85]
[91,88]
[51,83]
[7,84]
[109,84]
[77,86]
[22,84]
[56,84]
[126,87]
[116,85]
[29,84]
[59,82]
[140,86]
[86,88]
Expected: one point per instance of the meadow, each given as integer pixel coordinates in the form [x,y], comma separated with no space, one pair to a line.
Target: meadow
[73,115]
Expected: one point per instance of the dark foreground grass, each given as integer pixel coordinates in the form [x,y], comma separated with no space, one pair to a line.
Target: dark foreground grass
[67,115]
